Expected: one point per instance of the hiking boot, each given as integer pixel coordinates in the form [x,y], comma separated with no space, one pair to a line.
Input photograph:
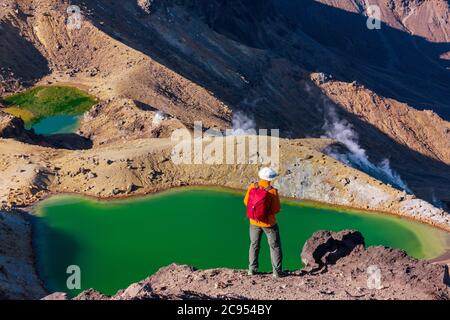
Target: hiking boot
[277,275]
[251,272]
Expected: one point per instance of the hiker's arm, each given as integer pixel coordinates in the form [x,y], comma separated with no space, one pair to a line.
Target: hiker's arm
[276,207]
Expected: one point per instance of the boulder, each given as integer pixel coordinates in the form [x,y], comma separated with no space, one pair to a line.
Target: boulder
[137,291]
[145,5]
[131,188]
[91,175]
[327,247]
[56,296]
[10,126]
[91,294]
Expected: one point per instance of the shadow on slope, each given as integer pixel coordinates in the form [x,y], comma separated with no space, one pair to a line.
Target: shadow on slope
[19,59]
[220,43]
[391,62]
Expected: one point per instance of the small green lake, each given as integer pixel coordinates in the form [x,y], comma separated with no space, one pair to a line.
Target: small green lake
[50,109]
[117,243]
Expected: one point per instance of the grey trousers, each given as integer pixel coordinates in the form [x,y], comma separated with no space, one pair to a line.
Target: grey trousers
[273,237]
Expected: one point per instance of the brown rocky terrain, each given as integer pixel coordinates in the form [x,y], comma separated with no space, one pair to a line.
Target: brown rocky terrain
[136,121]
[231,56]
[161,65]
[339,267]
[12,127]
[407,15]
[422,131]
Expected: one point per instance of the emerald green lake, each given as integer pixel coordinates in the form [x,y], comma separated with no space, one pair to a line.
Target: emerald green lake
[50,109]
[117,243]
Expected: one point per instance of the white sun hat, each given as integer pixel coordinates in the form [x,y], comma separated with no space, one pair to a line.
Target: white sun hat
[267,174]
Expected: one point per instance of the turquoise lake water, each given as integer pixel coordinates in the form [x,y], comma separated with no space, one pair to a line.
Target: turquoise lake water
[57,125]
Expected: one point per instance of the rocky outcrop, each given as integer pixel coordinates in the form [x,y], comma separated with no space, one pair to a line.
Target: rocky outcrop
[12,127]
[56,296]
[90,295]
[137,120]
[145,5]
[425,133]
[406,15]
[326,247]
[352,272]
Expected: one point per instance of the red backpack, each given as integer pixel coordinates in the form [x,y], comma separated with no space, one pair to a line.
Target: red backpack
[258,204]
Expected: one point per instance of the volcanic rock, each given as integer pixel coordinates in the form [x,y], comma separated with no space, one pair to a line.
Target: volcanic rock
[326,247]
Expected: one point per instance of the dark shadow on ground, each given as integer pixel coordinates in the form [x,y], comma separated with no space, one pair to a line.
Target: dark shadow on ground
[20,57]
[389,61]
[145,106]
[69,141]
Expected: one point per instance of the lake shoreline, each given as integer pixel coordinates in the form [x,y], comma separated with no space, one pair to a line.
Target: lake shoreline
[288,200]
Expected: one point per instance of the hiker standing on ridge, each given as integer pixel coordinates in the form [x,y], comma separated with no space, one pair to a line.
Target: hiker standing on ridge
[263,203]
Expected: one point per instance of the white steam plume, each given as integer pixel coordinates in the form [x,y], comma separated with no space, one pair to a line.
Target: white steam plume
[342,131]
[242,124]
[158,118]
